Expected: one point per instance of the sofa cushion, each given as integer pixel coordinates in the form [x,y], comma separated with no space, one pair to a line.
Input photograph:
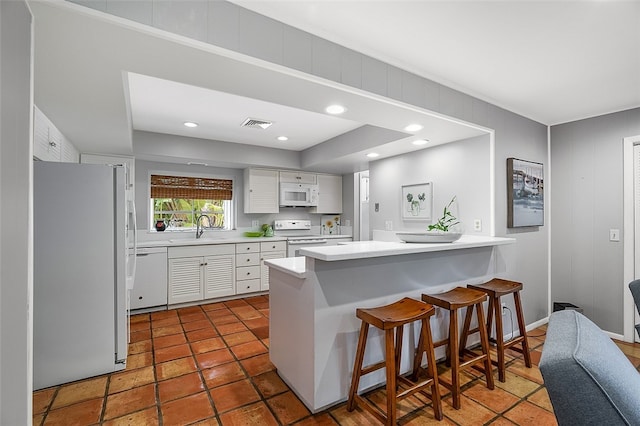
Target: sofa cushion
[588,378]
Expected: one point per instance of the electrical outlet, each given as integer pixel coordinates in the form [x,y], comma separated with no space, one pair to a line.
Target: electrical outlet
[388,225]
[255,223]
[477,225]
[504,308]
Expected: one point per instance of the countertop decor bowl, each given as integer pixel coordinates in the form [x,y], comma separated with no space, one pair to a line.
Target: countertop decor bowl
[429,237]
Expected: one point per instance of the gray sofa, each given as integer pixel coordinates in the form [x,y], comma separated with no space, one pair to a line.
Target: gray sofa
[589,380]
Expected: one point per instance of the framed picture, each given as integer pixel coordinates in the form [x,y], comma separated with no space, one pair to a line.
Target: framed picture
[525,193]
[417,201]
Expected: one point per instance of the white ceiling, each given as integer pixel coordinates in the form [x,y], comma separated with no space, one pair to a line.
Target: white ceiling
[551,61]
[162,106]
[548,61]
[104,76]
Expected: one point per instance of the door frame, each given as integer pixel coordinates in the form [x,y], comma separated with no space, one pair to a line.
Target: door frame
[629,237]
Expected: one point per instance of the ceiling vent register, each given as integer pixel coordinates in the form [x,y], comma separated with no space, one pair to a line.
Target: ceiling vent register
[255,123]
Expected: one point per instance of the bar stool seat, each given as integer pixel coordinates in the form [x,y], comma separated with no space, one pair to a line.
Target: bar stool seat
[495,289]
[391,319]
[458,356]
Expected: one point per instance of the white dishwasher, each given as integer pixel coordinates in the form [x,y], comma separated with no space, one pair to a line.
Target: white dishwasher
[150,286]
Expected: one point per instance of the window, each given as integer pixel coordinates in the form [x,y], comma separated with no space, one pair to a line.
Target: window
[179,200]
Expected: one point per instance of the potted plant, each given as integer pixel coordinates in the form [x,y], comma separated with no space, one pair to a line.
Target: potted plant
[448,222]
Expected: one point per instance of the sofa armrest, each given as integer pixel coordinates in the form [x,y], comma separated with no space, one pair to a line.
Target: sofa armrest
[588,378]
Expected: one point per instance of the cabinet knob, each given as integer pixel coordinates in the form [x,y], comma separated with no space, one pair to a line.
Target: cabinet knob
[52,143]
[139,297]
[248,273]
[206,263]
[248,260]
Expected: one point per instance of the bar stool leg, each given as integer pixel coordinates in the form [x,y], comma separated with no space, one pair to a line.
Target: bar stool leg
[491,310]
[465,329]
[390,353]
[417,360]
[357,368]
[484,341]
[431,368]
[500,339]
[398,354]
[454,357]
[523,330]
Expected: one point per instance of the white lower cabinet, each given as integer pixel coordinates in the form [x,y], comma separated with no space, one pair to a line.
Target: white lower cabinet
[201,272]
[247,268]
[219,270]
[270,250]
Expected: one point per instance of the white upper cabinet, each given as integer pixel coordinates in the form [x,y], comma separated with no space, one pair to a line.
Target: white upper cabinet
[69,152]
[47,140]
[261,191]
[49,144]
[329,194]
[297,177]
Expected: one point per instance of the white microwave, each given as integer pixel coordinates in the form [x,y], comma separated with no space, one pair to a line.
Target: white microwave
[298,194]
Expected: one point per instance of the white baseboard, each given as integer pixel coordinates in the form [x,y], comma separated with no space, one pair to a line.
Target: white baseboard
[537,324]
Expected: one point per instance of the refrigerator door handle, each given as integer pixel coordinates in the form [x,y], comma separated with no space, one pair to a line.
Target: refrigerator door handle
[131,272]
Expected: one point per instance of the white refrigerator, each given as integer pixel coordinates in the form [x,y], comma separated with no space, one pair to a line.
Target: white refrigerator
[82,247]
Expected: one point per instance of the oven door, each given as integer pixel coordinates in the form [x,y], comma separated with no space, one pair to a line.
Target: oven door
[294,246]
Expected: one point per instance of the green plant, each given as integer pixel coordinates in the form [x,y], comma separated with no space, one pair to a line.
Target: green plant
[446,221]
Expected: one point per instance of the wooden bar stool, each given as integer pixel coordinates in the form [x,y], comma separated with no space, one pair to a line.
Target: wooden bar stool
[495,289]
[392,318]
[457,354]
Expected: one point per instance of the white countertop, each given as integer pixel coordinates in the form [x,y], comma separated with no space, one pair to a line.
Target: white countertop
[206,241]
[212,238]
[291,265]
[368,249]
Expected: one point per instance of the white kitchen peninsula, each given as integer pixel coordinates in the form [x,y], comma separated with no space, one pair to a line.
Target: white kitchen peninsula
[313,328]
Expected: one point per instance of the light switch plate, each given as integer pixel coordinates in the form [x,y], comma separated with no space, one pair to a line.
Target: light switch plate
[614,235]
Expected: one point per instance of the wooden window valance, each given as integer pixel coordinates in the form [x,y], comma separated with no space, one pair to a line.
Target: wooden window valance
[191,188]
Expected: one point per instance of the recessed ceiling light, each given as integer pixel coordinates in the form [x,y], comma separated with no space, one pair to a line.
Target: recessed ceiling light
[190,124]
[335,109]
[282,138]
[413,127]
[420,142]
[373,155]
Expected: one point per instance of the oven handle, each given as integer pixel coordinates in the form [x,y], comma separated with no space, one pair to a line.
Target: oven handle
[300,242]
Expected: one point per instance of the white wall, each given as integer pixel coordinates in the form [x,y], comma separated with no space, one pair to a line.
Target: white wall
[145,168]
[233,27]
[458,169]
[16,228]
[587,199]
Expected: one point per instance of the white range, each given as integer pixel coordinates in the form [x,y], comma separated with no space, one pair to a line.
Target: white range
[299,235]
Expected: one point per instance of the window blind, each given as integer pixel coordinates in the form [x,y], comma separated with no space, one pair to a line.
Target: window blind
[191,188]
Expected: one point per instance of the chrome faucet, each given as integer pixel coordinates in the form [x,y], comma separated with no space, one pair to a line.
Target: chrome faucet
[199,227]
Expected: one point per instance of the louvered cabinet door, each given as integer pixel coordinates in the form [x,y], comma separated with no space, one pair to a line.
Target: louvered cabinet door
[219,276]
[185,279]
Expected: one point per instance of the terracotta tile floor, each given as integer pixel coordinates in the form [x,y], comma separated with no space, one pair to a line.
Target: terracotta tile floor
[209,365]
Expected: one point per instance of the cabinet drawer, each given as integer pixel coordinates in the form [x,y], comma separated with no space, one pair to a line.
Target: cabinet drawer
[248,259]
[273,246]
[248,248]
[247,273]
[247,286]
